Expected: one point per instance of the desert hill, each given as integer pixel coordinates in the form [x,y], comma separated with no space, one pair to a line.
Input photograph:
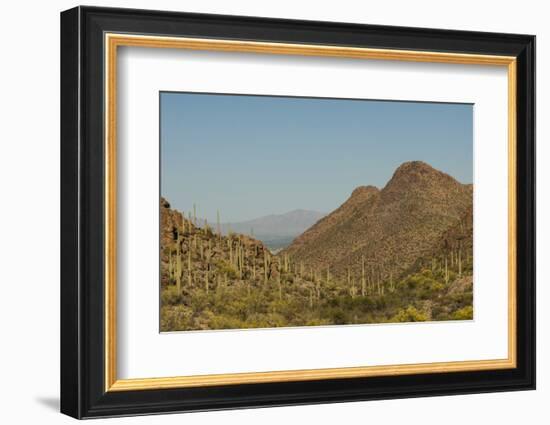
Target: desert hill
[389,229]
[193,256]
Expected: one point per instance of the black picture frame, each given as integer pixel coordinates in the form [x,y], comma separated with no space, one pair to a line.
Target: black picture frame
[83,392]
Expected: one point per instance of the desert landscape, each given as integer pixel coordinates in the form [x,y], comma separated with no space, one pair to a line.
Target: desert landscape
[400,253]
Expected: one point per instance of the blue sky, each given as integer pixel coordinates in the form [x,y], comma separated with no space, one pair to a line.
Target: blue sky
[250,156]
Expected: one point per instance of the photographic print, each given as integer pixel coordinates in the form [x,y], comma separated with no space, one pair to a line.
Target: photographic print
[281,211]
[300,195]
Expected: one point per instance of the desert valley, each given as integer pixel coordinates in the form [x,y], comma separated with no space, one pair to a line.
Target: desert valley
[402,253]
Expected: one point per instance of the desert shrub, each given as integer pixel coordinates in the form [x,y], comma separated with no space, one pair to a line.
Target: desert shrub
[276,320]
[337,316]
[170,296]
[367,303]
[410,314]
[465,313]
[457,301]
[420,286]
[427,273]
[174,318]
[225,322]
[224,268]
[197,300]
[452,276]
[236,308]
[317,322]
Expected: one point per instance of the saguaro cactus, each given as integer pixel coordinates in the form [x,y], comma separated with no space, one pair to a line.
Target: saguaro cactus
[189,279]
[244,257]
[170,266]
[317,284]
[239,259]
[178,270]
[446,271]
[363,280]
[265,266]
[369,286]
[178,273]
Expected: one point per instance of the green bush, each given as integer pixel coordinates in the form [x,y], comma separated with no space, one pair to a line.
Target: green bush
[465,313]
[410,314]
[224,268]
[170,296]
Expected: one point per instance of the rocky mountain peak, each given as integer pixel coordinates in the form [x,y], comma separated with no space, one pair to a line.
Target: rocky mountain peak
[415,170]
[363,191]
[417,175]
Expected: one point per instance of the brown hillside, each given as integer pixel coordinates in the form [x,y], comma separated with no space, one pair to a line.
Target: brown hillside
[455,245]
[206,257]
[390,228]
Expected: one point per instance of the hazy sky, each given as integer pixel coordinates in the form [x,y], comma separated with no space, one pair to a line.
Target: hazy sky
[250,156]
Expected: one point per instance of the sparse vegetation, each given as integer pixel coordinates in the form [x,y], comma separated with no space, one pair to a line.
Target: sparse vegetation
[211,281]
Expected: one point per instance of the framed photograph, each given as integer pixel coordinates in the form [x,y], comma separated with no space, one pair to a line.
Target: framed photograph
[261,212]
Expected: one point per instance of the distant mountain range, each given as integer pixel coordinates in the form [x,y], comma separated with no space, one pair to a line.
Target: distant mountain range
[276,231]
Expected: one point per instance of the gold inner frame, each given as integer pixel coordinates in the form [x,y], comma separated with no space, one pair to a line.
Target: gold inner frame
[113,41]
